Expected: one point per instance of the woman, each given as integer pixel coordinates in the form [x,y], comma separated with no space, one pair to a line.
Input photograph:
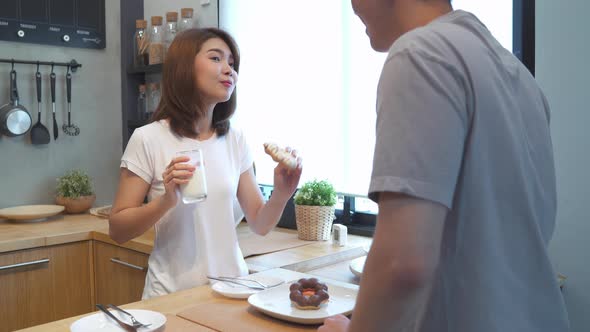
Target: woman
[194,240]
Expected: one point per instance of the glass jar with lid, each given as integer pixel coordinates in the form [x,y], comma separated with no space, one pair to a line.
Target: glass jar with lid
[142,108]
[186,19]
[170,29]
[153,98]
[156,48]
[141,43]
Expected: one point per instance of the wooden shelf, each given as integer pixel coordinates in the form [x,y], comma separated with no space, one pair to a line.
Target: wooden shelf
[151,69]
[136,123]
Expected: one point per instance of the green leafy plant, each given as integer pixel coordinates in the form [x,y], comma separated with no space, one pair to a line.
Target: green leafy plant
[74,184]
[318,193]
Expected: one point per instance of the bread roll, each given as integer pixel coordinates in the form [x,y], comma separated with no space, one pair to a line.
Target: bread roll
[280,155]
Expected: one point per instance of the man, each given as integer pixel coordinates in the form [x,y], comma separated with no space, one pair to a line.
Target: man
[464,177]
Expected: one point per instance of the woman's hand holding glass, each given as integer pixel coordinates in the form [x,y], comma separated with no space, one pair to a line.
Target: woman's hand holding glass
[178,172]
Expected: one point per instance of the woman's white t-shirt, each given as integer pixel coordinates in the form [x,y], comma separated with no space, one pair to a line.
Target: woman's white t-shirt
[192,240]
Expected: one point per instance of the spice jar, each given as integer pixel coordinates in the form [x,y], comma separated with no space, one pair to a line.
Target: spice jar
[140,44]
[156,48]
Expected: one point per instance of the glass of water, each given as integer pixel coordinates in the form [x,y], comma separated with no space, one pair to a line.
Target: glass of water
[196,189]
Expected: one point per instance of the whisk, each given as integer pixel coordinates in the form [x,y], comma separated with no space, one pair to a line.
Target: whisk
[70,129]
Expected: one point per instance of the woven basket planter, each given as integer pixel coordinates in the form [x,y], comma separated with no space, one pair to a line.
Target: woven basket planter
[314,222]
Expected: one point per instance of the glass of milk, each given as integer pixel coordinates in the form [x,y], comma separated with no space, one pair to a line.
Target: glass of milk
[196,189]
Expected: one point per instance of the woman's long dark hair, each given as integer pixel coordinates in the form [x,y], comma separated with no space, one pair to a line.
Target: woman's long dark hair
[180,103]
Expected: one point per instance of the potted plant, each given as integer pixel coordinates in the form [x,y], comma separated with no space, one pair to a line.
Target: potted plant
[314,210]
[74,192]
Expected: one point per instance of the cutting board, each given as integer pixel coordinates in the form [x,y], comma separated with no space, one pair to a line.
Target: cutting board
[238,315]
[177,324]
[252,244]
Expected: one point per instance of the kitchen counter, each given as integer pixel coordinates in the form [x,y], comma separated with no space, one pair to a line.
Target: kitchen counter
[280,248]
[280,254]
[176,303]
[64,229]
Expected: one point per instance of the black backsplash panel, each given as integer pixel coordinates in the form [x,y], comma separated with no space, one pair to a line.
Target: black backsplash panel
[87,17]
[9,9]
[68,23]
[33,11]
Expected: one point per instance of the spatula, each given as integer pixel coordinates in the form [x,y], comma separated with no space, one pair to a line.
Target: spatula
[39,133]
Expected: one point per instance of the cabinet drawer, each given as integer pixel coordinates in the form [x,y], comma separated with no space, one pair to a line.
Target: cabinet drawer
[44,284]
[120,274]
[26,288]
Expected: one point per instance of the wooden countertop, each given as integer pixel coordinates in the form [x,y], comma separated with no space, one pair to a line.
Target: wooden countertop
[178,302]
[319,258]
[306,256]
[64,229]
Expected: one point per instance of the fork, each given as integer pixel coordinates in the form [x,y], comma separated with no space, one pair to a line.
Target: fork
[241,281]
[237,282]
[134,321]
[124,325]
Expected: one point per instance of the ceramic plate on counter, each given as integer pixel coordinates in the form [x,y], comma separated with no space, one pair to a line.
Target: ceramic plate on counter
[235,291]
[357,265]
[30,212]
[275,302]
[100,322]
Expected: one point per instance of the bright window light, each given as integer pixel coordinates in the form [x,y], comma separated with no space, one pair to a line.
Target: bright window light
[308,79]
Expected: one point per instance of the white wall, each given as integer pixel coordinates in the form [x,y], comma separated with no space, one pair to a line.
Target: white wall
[207,13]
[563,70]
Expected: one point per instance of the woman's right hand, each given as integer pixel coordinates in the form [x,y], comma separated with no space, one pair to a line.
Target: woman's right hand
[177,172]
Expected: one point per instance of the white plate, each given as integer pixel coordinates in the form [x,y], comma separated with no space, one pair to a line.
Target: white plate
[100,322]
[235,291]
[30,212]
[275,302]
[357,265]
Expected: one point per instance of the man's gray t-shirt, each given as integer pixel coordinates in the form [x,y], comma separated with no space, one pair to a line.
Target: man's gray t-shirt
[461,122]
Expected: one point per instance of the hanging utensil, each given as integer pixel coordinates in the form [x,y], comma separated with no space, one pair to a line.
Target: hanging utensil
[70,129]
[15,120]
[39,133]
[52,77]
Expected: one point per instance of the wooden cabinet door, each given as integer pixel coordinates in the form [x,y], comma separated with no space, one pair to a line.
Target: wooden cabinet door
[45,284]
[25,289]
[73,279]
[120,274]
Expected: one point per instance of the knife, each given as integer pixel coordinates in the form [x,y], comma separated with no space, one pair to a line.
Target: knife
[125,326]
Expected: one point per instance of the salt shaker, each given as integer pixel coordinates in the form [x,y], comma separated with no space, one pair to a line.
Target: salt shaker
[339,235]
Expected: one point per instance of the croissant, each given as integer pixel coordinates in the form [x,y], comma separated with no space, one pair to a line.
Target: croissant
[280,155]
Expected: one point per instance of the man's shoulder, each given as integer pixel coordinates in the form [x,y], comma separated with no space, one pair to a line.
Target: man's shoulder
[443,39]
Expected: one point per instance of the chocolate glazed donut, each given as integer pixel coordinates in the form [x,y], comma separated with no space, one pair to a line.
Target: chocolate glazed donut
[308,294]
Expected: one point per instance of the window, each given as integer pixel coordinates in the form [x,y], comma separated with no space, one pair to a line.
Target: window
[308,79]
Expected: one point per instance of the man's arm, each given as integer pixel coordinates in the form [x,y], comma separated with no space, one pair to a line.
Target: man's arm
[401,265]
